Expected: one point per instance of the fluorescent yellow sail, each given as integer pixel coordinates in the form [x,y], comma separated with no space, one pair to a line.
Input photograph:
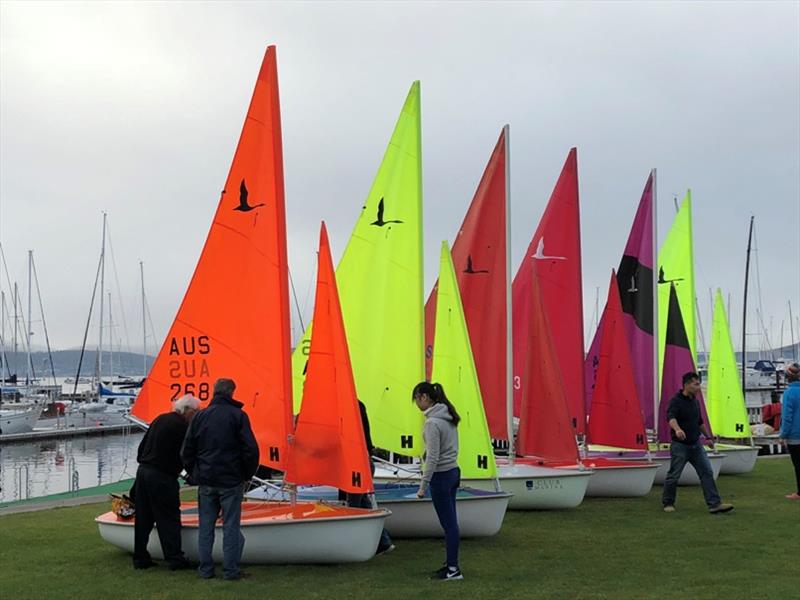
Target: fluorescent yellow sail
[676,265]
[380,289]
[724,399]
[454,368]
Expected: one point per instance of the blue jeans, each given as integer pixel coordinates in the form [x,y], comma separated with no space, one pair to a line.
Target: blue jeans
[210,501]
[695,455]
[443,493]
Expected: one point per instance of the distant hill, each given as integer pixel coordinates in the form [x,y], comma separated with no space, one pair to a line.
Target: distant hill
[65,363]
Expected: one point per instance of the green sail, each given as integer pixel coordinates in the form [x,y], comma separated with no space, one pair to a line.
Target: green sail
[724,398]
[676,264]
[380,289]
[454,368]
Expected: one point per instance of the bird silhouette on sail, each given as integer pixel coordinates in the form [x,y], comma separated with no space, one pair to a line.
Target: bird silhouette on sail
[243,205]
[662,279]
[380,222]
[540,255]
[469,268]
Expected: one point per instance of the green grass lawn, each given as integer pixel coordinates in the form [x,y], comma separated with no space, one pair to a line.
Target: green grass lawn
[606,548]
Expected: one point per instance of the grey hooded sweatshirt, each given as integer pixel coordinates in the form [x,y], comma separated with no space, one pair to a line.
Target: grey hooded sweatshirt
[441,443]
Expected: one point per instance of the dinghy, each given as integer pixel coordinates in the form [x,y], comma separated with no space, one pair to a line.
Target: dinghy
[212,337]
[380,287]
[727,411]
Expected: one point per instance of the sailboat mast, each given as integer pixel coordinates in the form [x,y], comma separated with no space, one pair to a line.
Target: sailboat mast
[16,325]
[144,324]
[3,361]
[509,356]
[28,333]
[654,226]
[102,288]
[110,341]
[744,306]
[791,332]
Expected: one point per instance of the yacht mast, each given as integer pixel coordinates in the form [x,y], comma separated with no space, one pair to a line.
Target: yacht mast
[144,324]
[29,333]
[110,342]
[102,289]
[744,307]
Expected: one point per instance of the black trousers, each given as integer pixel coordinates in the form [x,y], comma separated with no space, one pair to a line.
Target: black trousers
[794,452]
[157,502]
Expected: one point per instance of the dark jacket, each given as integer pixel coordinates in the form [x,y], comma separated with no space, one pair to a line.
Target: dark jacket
[160,447]
[220,449]
[686,411]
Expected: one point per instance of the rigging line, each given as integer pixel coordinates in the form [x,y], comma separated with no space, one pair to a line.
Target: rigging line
[308,290]
[88,322]
[119,290]
[296,303]
[758,286]
[44,323]
[150,319]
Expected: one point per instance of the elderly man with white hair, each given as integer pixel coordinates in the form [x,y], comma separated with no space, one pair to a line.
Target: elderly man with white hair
[156,490]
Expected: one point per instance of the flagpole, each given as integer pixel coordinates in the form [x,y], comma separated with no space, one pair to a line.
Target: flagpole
[509,356]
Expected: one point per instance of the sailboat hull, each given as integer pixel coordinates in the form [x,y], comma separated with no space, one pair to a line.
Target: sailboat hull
[480,513]
[738,459]
[19,421]
[616,478]
[689,475]
[275,533]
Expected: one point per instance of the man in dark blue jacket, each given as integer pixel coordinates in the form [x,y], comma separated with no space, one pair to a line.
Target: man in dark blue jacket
[686,424]
[221,454]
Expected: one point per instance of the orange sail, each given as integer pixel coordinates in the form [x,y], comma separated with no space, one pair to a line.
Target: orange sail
[545,428]
[329,446]
[615,418]
[234,319]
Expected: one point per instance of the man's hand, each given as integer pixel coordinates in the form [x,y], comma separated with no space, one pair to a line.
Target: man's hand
[420,493]
[680,434]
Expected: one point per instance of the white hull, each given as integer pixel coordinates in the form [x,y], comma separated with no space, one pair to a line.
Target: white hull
[738,459]
[622,482]
[689,475]
[338,539]
[538,488]
[22,421]
[478,516]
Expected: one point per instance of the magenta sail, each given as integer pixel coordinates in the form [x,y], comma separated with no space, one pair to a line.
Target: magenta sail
[677,361]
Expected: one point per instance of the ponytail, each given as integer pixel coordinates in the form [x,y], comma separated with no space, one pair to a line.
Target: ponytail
[435,392]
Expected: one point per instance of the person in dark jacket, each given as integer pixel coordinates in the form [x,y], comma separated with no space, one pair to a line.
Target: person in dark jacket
[221,454]
[156,491]
[686,424]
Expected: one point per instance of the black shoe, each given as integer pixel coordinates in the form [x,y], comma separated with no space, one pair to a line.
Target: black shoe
[385,549]
[145,564]
[240,575]
[448,574]
[438,572]
[181,565]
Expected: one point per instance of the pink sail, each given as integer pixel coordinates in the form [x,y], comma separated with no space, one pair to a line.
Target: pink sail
[545,427]
[554,254]
[615,417]
[479,256]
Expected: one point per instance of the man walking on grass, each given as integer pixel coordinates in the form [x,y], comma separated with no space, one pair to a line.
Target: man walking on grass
[686,424]
[221,453]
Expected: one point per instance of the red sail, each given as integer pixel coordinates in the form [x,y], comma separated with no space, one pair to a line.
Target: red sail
[555,252]
[545,430]
[329,446]
[615,417]
[234,319]
[479,256]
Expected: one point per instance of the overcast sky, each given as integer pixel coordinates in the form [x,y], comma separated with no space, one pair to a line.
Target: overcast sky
[136,108]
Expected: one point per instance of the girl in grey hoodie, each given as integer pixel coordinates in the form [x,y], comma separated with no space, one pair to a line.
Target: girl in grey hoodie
[441,472]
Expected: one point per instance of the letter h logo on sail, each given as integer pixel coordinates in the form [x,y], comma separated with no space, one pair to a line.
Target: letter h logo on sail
[406,441]
[483,461]
[356,479]
[274,453]
[739,428]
